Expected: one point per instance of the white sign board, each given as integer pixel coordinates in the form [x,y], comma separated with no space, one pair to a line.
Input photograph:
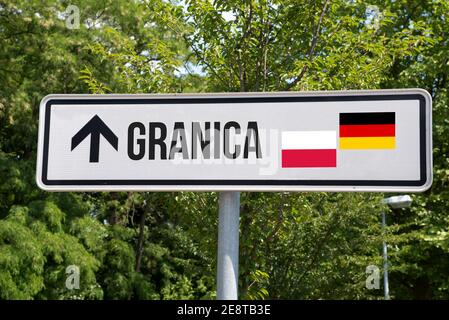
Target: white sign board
[318,141]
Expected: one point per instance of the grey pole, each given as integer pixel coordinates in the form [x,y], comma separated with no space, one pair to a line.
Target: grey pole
[228,245]
[385,257]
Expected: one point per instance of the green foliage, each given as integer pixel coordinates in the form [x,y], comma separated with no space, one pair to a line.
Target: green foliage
[35,252]
[256,289]
[163,245]
[283,45]
[44,233]
[421,254]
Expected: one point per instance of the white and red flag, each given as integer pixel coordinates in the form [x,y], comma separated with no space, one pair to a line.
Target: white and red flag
[309,149]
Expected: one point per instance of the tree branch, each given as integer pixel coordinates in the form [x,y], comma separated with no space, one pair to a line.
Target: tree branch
[242,71]
[201,59]
[312,47]
[140,242]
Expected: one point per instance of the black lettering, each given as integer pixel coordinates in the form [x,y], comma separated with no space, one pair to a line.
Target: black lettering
[216,140]
[140,142]
[227,129]
[252,131]
[179,134]
[197,135]
[152,142]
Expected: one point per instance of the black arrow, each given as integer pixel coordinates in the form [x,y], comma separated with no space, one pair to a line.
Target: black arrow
[94,128]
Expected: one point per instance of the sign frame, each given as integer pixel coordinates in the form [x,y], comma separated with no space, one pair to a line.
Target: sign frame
[425,132]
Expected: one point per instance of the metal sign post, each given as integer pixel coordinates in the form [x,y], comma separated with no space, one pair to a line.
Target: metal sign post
[228,246]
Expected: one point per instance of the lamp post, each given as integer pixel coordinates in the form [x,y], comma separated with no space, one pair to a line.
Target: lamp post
[395,202]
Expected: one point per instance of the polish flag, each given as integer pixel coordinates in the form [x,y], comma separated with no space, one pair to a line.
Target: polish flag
[309,149]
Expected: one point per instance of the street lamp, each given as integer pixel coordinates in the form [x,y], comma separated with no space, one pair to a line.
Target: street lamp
[398,202]
[395,202]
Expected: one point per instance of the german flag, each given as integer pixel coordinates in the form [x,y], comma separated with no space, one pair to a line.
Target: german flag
[369,130]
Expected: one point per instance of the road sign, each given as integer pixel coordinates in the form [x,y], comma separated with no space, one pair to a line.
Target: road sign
[317,141]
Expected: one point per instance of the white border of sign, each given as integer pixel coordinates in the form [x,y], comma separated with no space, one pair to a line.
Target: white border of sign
[426,179]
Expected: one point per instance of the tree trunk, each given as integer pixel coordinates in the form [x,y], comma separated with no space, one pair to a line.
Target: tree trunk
[140,243]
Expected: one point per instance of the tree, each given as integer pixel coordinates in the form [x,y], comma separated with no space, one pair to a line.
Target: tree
[420,258]
[278,45]
[41,234]
[163,245]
